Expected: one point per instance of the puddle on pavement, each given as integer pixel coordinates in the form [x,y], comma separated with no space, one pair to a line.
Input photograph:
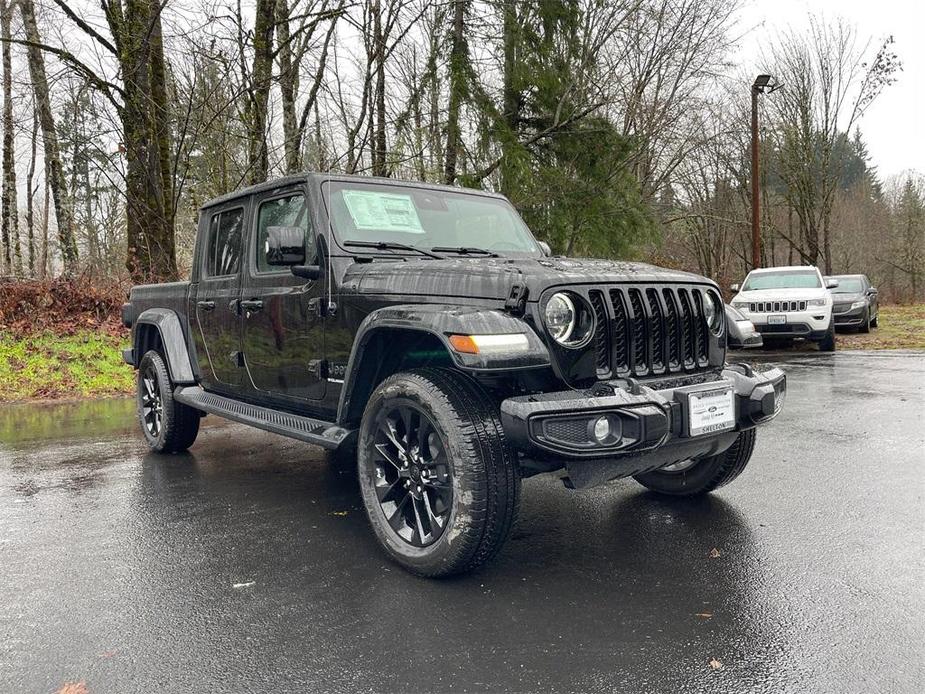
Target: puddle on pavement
[23,422]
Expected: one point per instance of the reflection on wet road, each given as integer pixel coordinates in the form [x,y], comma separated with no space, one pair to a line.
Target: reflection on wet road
[247,565]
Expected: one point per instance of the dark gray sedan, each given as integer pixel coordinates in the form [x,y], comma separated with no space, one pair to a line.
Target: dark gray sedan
[855,303]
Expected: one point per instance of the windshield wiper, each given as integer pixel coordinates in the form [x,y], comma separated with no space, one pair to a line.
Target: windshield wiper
[465,250]
[393,246]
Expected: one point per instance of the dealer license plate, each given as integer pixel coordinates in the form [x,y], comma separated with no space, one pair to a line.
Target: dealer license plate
[710,411]
[777,320]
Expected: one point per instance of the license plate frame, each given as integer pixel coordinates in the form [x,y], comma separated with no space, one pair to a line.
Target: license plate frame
[777,319]
[708,409]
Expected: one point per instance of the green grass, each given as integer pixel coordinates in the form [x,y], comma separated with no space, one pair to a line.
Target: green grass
[899,327]
[85,364]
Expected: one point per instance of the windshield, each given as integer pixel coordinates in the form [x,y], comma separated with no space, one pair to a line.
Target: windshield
[426,219]
[785,279]
[848,285]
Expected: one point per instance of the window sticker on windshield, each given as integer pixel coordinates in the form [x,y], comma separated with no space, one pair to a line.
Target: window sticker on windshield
[383,211]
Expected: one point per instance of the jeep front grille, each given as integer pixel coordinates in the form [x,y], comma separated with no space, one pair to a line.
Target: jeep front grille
[776,306]
[649,330]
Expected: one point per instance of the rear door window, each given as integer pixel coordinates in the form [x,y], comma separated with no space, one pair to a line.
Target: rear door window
[225,241]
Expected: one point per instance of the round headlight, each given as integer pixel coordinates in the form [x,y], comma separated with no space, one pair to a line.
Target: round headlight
[560,317]
[713,312]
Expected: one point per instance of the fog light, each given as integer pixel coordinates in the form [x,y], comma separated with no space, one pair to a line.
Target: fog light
[606,429]
[780,395]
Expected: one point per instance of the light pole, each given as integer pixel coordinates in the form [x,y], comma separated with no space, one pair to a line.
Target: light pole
[762,82]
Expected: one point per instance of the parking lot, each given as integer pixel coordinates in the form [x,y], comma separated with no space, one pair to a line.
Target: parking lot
[247,565]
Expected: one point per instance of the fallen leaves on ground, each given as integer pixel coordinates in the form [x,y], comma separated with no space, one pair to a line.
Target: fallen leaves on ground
[715,553]
[62,306]
[704,615]
[339,513]
[715,664]
[73,688]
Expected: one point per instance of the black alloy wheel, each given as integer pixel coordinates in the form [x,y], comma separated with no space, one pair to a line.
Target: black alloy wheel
[168,426]
[413,477]
[440,484]
[152,405]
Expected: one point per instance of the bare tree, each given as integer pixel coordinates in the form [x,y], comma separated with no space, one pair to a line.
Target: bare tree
[54,170]
[31,190]
[459,69]
[294,45]
[830,80]
[9,213]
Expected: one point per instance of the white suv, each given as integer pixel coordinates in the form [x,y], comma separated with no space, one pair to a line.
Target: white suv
[789,302]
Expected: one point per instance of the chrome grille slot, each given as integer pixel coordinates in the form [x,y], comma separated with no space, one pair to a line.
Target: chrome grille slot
[776,306]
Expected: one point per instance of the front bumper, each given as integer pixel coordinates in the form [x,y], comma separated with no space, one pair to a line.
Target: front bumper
[745,341]
[850,317]
[556,427]
[812,324]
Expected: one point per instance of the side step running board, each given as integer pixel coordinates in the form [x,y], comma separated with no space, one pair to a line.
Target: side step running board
[315,431]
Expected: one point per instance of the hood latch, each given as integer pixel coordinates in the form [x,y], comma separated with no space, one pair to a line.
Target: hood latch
[516,302]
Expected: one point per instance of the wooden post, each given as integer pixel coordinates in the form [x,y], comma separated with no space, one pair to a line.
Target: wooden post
[756,203]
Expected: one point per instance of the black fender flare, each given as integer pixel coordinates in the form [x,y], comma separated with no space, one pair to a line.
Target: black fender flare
[167,323]
[441,321]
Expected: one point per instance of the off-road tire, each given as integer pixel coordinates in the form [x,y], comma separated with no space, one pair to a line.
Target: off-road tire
[827,343]
[179,423]
[865,326]
[485,476]
[706,474]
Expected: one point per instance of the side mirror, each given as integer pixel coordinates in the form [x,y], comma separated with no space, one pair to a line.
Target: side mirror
[872,291]
[308,272]
[285,246]
[830,283]
[734,287]
[547,251]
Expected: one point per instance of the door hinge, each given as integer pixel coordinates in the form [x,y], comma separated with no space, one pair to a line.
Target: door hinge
[322,307]
[516,302]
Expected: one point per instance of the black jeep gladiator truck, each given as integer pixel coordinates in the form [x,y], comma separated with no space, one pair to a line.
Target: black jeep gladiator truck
[422,332]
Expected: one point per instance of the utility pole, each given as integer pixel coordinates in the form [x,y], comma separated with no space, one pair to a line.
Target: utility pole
[762,82]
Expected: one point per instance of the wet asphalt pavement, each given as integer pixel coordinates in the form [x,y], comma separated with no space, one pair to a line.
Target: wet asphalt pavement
[247,565]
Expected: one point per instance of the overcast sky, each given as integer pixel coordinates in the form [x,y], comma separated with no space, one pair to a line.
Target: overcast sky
[894,126]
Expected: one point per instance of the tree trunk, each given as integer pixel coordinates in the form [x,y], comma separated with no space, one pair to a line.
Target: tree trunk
[378,136]
[149,227]
[160,116]
[45,203]
[288,86]
[261,76]
[30,193]
[63,213]
[458,51]
[510,94]
[9,207]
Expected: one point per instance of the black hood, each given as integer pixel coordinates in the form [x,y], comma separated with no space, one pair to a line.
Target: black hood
[492,278]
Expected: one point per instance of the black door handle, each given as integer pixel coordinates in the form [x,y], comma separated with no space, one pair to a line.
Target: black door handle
[206,305]
[251,304]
